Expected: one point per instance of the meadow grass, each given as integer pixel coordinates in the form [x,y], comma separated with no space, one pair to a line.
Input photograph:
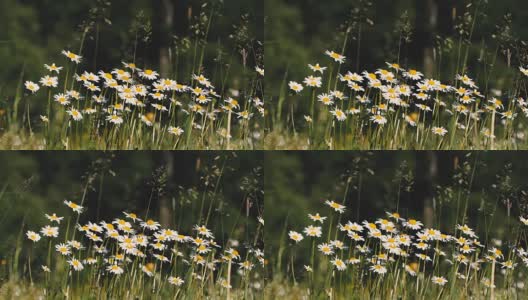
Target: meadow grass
[468,98]
[135,257]
[192,104]
[336,256]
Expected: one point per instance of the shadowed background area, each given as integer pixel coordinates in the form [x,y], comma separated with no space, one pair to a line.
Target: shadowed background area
[433,187]
[35,32]
[418,34]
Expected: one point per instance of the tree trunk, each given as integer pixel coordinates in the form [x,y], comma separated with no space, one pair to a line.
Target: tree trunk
[167,11]
[164,201]
[431,12]
[431,161]
[426,173]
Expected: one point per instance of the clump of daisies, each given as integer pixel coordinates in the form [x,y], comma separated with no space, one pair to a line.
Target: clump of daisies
[144,255]
[396,107]
[131,107]
[395,255]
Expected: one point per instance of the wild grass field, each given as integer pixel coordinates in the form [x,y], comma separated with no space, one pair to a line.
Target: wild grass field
[202,91]
[469,244]
[201,246]
[456,82]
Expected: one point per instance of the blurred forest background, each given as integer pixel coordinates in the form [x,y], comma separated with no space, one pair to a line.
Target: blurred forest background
[35,31]
[428,186]
[425,33]
[36,183]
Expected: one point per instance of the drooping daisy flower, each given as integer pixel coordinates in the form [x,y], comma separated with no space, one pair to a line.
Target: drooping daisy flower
[148,269]
[90,261]
[411,269]
[441,281]
[466,80]
[487,282]
[356,87]
[336,56]
[244,115]
[159,107]
[177,281]
[339,114]
[31,86]
[115,269]
[54,218]
[496,103]
[317,218]
[35,237]
[115,119]
[177,131]
[132,216]
[296,87]
[50,231]
[75,114]
[349,226]
[148,74]
[49,81]
[76,245]
[53,68]
[394,66]
[508,265]
[441,131]
[413,224]
[202,230]
[350,77]
[421,246]
[378,119]
[339,264]
[202,99]
[313,231]
[355,236]
[150,224]
[317,68]
[202,80]
[326,99]
[353,261]
[312,81]
[354,111]
[76,264]
[246,265]
[496,253]
[89,110]
[157,96]
[379,269]
[75,207]
[466,230]
[326,249]
[62,99]
[72,56]
[413,74]
[63,249]
[467,249]
[421,96]
[336,206]
[297,237]
[92,87]
[423,257]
